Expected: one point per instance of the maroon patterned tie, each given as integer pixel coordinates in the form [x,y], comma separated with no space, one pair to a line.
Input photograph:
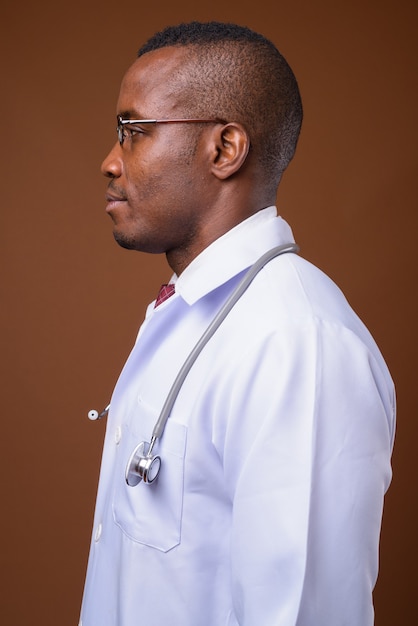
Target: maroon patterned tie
[166,291]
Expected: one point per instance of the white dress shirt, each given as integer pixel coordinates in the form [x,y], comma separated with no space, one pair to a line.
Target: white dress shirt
[275,458]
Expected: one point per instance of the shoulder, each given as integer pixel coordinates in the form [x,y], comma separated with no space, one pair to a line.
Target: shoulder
[290,290]
[293,309]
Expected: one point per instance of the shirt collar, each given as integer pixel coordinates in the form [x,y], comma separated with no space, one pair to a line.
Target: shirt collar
[232,253]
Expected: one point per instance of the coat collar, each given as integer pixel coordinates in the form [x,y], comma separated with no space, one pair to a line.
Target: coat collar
[232,253]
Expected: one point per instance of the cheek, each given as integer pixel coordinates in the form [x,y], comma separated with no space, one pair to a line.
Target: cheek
[145,173]
[162,179]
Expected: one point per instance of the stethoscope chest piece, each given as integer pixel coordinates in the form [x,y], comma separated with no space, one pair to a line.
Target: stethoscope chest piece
[142,466]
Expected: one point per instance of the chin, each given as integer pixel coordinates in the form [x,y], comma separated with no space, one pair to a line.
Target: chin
[129,243]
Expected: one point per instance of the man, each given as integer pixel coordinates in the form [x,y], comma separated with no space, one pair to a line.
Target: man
[276,454]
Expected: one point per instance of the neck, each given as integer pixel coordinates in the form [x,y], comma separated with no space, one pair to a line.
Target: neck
[222,219]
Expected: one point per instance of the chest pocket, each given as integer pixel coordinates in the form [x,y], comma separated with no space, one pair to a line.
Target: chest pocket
[151,514]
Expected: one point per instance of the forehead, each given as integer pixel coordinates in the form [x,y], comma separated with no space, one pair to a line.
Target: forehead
[152,85]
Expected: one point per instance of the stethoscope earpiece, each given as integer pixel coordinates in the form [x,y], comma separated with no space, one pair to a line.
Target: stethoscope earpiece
[94,415]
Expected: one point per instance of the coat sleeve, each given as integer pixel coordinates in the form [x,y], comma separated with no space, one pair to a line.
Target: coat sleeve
[306,454]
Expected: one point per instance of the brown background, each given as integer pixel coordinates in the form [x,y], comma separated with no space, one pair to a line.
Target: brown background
[73,300]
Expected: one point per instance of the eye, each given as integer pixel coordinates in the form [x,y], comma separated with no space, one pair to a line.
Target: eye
[130,130]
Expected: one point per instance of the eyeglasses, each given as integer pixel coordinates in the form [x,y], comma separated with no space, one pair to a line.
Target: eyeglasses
[125,132]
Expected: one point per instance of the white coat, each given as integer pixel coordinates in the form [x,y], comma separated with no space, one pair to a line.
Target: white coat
[275,459]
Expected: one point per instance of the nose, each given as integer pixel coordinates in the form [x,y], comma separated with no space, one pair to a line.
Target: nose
[112,165]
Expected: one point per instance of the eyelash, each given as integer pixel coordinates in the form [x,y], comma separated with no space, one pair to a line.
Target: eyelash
[130,131]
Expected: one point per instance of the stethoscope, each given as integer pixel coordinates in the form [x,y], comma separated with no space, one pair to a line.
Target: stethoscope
[143,464]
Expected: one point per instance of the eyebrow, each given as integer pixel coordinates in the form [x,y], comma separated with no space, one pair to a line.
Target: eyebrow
[131,115]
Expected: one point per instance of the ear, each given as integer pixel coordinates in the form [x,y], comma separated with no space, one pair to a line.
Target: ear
[230,149]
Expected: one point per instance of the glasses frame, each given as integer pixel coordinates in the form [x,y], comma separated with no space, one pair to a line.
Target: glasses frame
[121,122]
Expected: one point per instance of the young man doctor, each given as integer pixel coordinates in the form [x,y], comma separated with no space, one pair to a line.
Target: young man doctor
[276,455]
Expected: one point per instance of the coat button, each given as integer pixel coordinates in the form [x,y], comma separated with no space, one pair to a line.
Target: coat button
[98,532]
[118,435]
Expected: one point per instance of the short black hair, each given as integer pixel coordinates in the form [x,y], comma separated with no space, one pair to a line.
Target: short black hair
[239,76]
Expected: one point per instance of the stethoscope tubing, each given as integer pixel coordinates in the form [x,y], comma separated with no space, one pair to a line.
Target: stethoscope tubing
[143,465]
[210,331]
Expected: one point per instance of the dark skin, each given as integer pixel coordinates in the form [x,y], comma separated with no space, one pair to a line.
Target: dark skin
[176,188]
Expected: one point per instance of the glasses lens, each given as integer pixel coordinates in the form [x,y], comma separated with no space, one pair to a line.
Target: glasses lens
[119,130]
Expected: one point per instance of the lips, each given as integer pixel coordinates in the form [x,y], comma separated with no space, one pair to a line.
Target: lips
[113,198]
